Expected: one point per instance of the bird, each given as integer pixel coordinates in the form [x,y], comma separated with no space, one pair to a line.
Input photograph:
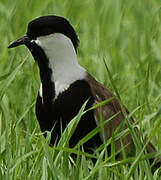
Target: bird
[66,86]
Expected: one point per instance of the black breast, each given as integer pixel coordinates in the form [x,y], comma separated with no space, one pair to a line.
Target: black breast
[64,108]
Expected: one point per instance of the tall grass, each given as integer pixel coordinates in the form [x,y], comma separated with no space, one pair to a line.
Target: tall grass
[127,34]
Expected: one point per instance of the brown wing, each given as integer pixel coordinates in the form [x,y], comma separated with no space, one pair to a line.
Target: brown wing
[100,94]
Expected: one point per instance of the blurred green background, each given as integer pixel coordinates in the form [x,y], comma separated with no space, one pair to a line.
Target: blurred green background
[127,34]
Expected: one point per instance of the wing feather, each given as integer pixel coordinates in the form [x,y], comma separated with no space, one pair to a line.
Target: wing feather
[100,93]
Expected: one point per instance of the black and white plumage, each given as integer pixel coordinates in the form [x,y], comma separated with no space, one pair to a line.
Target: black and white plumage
[65,85]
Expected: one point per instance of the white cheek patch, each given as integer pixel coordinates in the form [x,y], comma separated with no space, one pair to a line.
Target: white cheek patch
[45,42]
[62,61]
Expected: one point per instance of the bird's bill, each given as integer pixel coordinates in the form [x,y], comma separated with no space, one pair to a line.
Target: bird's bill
[23,40]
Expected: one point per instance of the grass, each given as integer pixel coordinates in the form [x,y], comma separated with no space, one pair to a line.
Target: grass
[127,35]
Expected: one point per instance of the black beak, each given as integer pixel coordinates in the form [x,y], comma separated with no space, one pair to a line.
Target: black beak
[23,40]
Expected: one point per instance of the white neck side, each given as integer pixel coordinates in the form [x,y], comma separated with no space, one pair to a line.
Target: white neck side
[62,60]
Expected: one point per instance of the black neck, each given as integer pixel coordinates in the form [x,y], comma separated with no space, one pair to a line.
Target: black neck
[48,86]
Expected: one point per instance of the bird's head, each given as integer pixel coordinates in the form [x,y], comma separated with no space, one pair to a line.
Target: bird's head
[47,32]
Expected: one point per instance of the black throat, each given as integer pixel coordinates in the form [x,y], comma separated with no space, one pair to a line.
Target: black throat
[48,86]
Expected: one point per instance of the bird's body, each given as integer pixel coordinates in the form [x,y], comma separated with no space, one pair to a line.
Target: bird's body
[65,85]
